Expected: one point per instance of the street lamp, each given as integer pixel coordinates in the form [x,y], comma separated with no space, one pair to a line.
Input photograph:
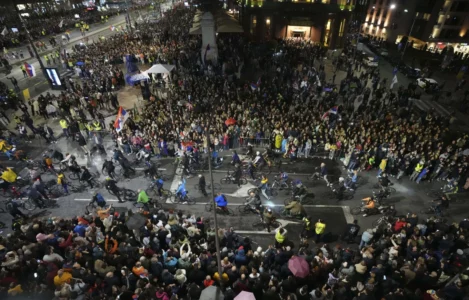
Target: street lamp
[410,33]
[393,6]
[28,35]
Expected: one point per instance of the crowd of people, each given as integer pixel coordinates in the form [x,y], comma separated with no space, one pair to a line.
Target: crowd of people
[289,106]
[173,256]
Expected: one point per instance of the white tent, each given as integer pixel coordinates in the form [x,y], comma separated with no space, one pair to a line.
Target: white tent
[159,68]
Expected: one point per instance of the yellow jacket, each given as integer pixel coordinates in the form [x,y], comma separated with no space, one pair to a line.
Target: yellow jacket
[60,179]
[9,175]
[279,237]
[418,167]
[63,124]
[264,180]
[383,164]
[65,278]
[320,228]
[4,146]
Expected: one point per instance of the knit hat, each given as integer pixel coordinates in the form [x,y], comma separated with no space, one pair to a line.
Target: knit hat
[41,237]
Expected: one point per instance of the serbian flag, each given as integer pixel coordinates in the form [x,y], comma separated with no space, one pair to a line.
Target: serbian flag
[333,110]
[30,70]
[122,116]
[255,86]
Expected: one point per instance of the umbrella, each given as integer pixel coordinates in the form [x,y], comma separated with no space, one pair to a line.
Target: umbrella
[80,63]
[230,121]
[245,296]
[212,293]
[298,266]
[136,221]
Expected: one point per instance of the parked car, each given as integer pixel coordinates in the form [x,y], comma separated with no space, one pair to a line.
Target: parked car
[371,61]
[383,52]
[410,72]
[428,85]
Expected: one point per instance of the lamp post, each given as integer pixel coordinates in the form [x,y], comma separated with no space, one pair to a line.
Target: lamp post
[410,33]
[30,40]
[215,217]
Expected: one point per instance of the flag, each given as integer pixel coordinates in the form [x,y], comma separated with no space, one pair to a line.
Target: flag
[5,31]
[61,23]
[206,50]
[394,81]
[332,110]
[122,116]
[30,70]
[255,86]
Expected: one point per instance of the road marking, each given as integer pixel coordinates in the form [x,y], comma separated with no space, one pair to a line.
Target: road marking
[290,173]
[141,169]
[242,192]
[348,216]
[254,232]
[111,200]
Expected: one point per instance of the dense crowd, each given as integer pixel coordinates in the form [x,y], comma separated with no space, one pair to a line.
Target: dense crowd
[291,108]
[173,256]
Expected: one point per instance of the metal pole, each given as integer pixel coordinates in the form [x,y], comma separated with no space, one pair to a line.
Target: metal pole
[43,69]
[410,33]
[217,240]
[129,21]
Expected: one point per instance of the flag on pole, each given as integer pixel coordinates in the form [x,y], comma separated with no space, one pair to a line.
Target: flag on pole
[30,70]
[122,116]
[255,86]
[206,50]
[332,110]
[394,81]
[5,31]
[61,23]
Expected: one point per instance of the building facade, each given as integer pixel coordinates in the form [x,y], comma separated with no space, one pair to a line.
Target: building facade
[321,21]
[433,24]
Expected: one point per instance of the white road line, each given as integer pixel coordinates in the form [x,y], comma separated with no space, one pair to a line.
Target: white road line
[290,173]
[278,205]
[174,185]
[255,232]
[141,169]
[348,216]
[111,200]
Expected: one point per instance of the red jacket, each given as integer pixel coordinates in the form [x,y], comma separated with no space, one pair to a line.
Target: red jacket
[399,225]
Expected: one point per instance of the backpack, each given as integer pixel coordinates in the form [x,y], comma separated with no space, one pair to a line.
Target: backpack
[100,199]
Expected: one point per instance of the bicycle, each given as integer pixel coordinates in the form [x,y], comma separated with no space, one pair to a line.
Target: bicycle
[13,192]
[261,223]
[185,200]
[126,194]
[432,210]
[279,185]
[227,211]
[229,178]
[388,189]
[269,191]
[247,209]
[383,220]
[307,199]
[165,194]
[287,214]
[151,203]
[27,204]
[333,194]
[92,206]
[77,175]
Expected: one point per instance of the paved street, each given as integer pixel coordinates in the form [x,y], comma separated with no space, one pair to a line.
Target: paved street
[409,197]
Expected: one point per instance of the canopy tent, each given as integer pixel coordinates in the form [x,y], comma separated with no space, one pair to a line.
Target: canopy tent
[159,68]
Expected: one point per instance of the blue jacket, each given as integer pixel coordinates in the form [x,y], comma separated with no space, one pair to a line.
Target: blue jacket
[182,187]
[323,171]
[240,257]
[236,158]
[221,200]
[80,229]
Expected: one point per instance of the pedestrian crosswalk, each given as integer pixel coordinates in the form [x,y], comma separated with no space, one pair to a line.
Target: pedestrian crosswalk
[428,105]
[67,73]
